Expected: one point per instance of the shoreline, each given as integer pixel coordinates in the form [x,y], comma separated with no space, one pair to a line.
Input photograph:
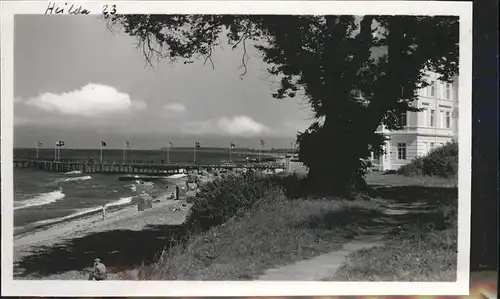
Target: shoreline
[91,216]
[41,225]
[112,206]
[125,218]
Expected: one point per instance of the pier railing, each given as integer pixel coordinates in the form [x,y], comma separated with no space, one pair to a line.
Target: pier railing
[136,166]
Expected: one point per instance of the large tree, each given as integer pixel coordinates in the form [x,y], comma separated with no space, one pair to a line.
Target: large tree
[355,72]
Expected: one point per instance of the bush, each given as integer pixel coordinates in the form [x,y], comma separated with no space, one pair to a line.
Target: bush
[416,167]
[442,162]
[220,200]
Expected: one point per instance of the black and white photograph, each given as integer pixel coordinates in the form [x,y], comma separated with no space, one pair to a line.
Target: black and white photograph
[280,148]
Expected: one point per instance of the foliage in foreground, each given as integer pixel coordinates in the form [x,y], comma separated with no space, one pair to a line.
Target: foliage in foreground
[223,199]
[274,232]
[441,162]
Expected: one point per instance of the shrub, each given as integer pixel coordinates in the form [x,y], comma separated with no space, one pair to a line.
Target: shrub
[220,200]
[442,162]
[416,167]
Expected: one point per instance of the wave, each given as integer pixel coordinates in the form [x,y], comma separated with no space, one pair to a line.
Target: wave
[73,172]
[121,201]
[73,179]
[177,176]
[40,200]
[144,183]
[74,215]
[83,212]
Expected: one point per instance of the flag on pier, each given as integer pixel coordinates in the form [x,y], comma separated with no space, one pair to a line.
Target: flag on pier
[197,144]
[103,144]
[60,143]
[38,144]
[262,142]
[127,143]
[171,144]
[233,145]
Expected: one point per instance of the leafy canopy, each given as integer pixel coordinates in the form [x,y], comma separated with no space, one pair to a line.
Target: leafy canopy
[356,72]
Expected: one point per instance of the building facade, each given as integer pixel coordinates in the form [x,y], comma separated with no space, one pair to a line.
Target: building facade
[435,126]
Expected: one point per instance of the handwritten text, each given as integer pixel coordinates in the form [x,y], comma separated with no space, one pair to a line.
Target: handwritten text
[72,9]
[53,9]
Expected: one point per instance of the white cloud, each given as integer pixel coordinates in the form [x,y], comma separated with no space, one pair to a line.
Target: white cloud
[90,100]
[175,107]
[241,126]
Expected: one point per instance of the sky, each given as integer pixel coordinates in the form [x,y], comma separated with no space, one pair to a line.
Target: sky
[76,81]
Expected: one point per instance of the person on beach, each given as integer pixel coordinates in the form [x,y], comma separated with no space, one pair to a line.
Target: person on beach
[103,207]
[99,271]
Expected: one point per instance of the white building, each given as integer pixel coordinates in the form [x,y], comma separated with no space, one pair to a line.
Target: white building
[436,125]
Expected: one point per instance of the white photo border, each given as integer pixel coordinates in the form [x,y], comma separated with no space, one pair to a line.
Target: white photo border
[11,287]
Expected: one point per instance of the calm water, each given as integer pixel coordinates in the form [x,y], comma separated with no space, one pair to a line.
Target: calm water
[41,196]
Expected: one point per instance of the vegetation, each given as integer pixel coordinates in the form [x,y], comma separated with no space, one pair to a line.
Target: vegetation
[394,179]
[262,228]
[223,199]
[355,72]
[425,250]
[258,229]
[441,162]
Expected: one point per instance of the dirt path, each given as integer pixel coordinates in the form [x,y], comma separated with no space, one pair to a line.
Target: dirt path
[324,266]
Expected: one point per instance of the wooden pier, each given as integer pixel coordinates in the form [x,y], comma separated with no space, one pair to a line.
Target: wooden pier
[114,167]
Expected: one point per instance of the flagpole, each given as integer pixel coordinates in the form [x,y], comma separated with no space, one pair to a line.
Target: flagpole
[230,147]
[261,148]
[101,152]
[168,153]
[37,150]
[124,149]
[194,151]
[55,153]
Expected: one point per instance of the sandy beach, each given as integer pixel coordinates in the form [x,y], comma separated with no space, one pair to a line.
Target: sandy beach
[80,240]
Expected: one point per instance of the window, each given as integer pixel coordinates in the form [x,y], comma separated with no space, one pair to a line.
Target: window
[432,118]
[448,119]
[402,120]
[432,145]
[401,151]
[433,88]
[448,91]
[425,106]
[441,118]
[426,149]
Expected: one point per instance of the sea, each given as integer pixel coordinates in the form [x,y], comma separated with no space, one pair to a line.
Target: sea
[42,197]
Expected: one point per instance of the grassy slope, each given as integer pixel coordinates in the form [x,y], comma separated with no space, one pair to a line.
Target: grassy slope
[422,257]
[274,233]
[420,253]
[278,231]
